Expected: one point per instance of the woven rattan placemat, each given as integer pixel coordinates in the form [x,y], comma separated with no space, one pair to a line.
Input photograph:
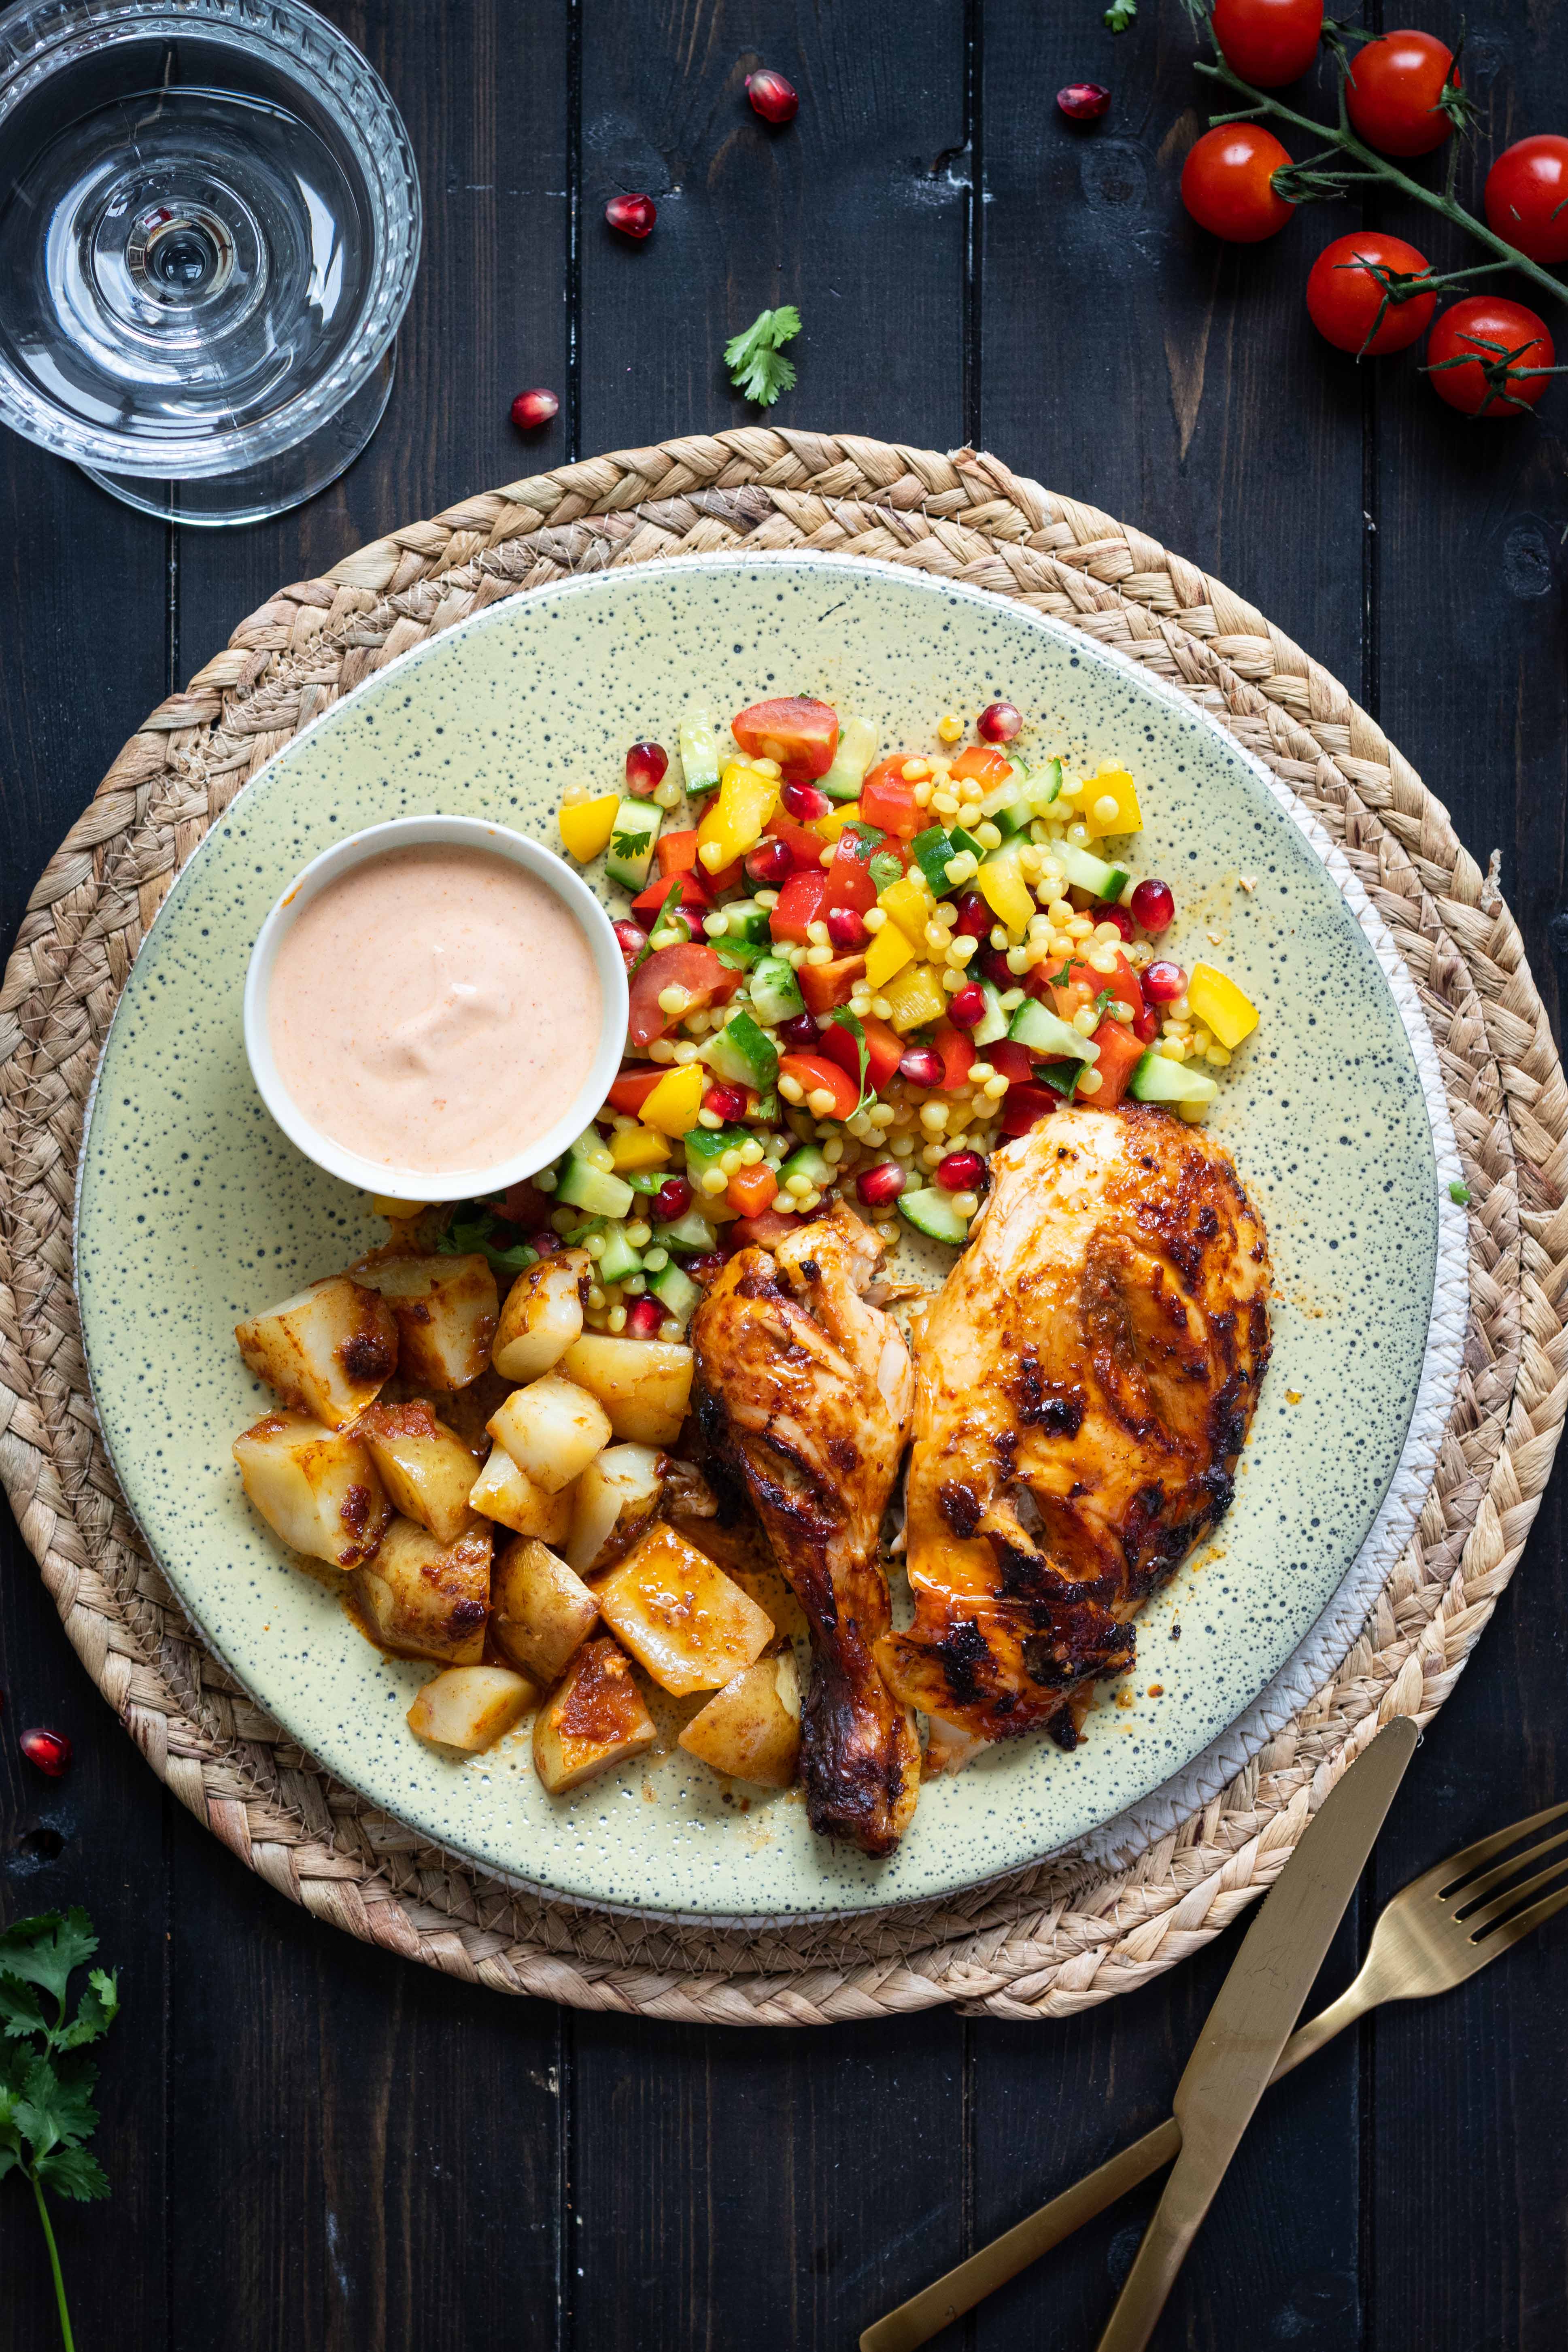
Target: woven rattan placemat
[1059,1937]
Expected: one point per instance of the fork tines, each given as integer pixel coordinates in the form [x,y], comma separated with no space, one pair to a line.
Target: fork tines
[1461,1876]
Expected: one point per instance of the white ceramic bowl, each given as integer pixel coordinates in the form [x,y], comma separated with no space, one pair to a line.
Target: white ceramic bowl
[420,833]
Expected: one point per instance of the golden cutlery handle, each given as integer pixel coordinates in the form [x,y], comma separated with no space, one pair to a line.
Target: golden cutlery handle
[1155,2269]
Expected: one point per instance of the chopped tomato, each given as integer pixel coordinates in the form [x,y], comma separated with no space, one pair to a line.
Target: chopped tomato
[690,899]
[632,1090]
[825,986]
[804,845]
[800,903]
[728,877]
[986,766]
[695,968]
[812,1072]
[751,1189]
[524,1205]
[764,1231]
[1081,984]
[1025,1107]
[1011,1061]
[677,852]
[849,882]
[1119,1055]
[957,1049]
[800,734]
[886,801]
[884,1050]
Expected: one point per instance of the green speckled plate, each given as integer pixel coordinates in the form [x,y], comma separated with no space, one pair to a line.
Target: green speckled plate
[194,1210]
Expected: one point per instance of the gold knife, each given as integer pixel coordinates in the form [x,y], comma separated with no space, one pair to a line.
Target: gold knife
[1250,2023]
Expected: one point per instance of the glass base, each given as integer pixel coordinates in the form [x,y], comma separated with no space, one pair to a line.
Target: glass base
[220,502]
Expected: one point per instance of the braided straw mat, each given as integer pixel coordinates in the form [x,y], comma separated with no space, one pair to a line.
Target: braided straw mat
[1065,1934]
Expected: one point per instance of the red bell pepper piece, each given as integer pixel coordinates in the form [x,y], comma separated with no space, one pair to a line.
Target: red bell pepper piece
[1119,1055]
[825,986]
[884,1050]
[814,1071]
[888,801]
[849,884]
[690,899]
[686,965]
[1011,1061]
[800,903]
[958,1050]
[633,1087]
[804,845]
[986,766]
[1024,1106]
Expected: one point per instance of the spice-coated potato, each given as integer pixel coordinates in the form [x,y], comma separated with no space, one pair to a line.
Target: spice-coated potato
[425,1466]
[552,1428]
[542,1315]
[447,1311]
[541,1613]
[503,1492]
[595,1719]
[471,1707]
[427,1600]
[329,1349]
[680,1616]
[316,1488]
[644,1385]
[616,1497]
[751,1730]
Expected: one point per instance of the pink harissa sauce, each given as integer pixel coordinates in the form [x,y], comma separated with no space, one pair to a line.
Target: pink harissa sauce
[434,1009]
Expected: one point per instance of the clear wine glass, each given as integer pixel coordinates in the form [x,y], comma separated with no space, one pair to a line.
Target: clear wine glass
[209,228]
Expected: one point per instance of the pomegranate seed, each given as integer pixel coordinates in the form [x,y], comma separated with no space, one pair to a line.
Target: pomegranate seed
[1146,1025]
[921,1065]
[1105,911]
[644,1317]
[961,1172]
[798,1034]
[769,865]
[725,1102]
[974,917]
[805,803]
[672,1200]
[1164,982]
[966,1008]
[646,765]
[846,931]
[703,1269]
[1083,102]
[998,722]
[774,98]
[631,939]
[993,963]
[50,1751]
[545,1242]
[877,1186]
[532,409]
[633,215]
[1154,905]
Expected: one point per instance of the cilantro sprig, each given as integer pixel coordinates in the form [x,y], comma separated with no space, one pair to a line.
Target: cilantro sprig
[47,2114]
[468,1235]
[856,1028]
[755,359]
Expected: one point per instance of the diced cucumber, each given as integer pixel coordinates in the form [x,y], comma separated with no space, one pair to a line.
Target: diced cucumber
[597,1190]
[1062,1077]
[741,1054]
[1045,786]
[744,919]
[806,1160]
[856,749]
[931,850]
[632,837]
[1015,816]
[676,1293]
[690,1232]
[932,1213]
[992,1023]
[1157,1079]
[698,741]
[1091,873]
[617,1260]
[1046,1033]
[961,840]
[775,992]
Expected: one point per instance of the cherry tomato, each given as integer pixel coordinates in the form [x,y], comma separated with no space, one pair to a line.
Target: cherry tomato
[695,968]
[1526,197]
[1227,184]
[800,734]
[1392,91]
[1346,294]
[1487,357]
[1268,42]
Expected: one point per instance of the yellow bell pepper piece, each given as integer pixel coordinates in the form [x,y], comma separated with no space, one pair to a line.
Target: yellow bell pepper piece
[398,1212]
[829,828]
[640,1147]
[673,1106]
[888,953]
[1111,784]
[586,825]
[906,903]
[1001,884]
[735,818]
[1220,1005]
[915,997]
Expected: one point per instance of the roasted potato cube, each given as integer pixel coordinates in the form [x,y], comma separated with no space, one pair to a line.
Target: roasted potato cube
[595,1719]
[542,1315]
[425,1466]
[471,1707]
[552,1428]
[446,1310]
[680,1616]
[424,1599]
[540,1613]
[316,1488]
[615,1500]
[751,1730]
[503,1492]
[328,1348]
[645,1385]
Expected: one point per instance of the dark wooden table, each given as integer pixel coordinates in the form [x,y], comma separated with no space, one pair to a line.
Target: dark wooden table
[315,2146]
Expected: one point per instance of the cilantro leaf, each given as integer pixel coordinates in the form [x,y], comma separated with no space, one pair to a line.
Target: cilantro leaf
[756,360]
[74,2173]
[20,2009]
[1119,15]
[95,2014]
[856,1028]
[44,1950]
[468,1235]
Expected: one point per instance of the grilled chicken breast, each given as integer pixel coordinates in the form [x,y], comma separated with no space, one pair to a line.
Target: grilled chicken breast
[1086,1379]
[802,1391]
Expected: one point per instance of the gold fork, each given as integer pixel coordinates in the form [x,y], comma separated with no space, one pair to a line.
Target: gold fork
[1437,1932]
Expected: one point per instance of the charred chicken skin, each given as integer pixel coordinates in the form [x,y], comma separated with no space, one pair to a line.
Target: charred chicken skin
[1086,1379]
[802,1391]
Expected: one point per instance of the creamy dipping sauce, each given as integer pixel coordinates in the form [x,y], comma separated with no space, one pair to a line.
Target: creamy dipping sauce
[435,1009]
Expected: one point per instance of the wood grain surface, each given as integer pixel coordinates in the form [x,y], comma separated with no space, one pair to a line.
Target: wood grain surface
[314,2146]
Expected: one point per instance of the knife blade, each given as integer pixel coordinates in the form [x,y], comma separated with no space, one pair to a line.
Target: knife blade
[1250,2023]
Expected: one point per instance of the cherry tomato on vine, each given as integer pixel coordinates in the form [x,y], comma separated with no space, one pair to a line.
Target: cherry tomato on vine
[1227,184]
[1350,283]
[1268,42]
[1526,197]
[1392,91]
[1487,357]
